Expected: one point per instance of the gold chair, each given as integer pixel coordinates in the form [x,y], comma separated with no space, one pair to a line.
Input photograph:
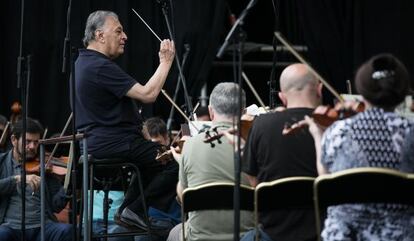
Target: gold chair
[285,193]
[362,185]
[214,196]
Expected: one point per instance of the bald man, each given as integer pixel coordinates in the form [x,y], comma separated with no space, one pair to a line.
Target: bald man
[269,155]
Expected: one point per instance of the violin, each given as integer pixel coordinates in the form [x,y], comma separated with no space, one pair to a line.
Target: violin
[165,154]
[245,126]
[326,115]
[56,166]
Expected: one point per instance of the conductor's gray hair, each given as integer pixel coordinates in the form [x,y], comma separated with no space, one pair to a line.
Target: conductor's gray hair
[224,99]
[95,21]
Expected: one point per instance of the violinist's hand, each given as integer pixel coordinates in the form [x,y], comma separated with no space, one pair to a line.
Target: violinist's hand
[315,129]
[175,151]
[167,51]
[32,180]
[317,132]
[231,137]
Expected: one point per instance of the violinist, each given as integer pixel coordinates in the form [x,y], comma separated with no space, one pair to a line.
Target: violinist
[107,111]
[268,155]
[372,138]
[10,193]
[155,129]
[202,114]
[203,163]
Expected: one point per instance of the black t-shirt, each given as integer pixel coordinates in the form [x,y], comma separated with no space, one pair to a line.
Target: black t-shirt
[109,118]
[269,155]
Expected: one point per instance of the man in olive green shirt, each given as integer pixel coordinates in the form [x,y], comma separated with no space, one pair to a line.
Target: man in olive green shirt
[203,163]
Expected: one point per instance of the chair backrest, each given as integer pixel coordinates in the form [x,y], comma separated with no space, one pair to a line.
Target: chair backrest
[362,185]
[284,193]
[214,196]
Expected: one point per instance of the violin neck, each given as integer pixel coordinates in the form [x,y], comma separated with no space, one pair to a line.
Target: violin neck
[58,163]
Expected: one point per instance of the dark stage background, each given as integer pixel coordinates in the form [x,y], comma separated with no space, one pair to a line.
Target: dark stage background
[339,35]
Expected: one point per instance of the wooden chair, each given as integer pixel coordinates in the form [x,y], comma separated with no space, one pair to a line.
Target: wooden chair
[362,185]
[214,196]
[285,193]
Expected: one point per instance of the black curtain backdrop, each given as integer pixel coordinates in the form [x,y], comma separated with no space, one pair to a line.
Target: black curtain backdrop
[340,35]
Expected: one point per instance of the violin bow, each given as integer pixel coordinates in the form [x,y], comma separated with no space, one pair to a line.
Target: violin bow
[179,109]
[282,39]
[69,169]
[5,133]
[246,79]
[61,134]
[45,133]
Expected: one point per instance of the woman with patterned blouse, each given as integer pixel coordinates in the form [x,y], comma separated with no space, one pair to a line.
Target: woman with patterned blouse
[373,138]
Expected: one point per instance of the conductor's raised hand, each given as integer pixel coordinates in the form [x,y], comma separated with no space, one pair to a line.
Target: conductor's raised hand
[167,51]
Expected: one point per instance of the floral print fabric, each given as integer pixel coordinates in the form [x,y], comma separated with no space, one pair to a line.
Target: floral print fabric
[373,138]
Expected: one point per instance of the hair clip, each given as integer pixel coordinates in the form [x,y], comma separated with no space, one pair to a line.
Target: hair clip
[382,74]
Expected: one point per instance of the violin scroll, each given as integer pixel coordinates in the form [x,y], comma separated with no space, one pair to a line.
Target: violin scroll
[164,154]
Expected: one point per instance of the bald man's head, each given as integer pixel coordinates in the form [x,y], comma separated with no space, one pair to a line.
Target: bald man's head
[299,87]
[296,77]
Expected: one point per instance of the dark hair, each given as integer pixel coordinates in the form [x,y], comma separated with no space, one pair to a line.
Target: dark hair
[32,126]
[383,81]
[202,111]
[155,126]
[3,120]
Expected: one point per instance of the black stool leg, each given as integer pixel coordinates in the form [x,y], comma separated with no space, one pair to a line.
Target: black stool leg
[91,196]
[144,204]
[106,206]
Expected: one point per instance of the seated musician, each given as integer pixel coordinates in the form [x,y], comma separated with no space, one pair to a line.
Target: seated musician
[107,111]
[373,138]
[408,150]
[10,192]
[155,129]
[269,155]
[203,163]
[202,114]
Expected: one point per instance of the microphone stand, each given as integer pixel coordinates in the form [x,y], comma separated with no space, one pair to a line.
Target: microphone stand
[21,83]
[164,8]
[24,94]
[273,82]
[237,35]
[72,56]
[177,88]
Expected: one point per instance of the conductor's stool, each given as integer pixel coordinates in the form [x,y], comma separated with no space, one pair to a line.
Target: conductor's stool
[112,174]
